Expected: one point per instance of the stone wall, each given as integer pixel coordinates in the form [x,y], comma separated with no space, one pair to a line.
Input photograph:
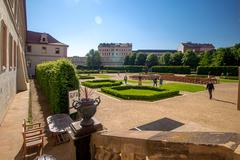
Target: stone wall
[151,145]
[13,76]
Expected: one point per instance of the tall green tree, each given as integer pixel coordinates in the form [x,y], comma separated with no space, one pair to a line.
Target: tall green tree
[206,58]
[225,57]
[126,60]
[176,59]
[93,59]
[151,60]
[140,59]
[132,58]
[167,59]
[191,59]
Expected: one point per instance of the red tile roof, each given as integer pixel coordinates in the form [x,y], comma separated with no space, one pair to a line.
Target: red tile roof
[35,37]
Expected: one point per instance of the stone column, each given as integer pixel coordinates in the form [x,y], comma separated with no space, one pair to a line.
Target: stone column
[238,104]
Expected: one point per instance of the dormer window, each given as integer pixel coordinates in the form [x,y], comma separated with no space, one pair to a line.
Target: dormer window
[44,38]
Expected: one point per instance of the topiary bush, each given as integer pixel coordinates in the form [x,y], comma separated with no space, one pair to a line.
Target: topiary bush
[172,69]
[217,71]
[162,93]
[101,83]
[56,79]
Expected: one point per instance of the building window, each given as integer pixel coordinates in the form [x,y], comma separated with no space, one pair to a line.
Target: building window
[15,55]
[10,46]
[44,50]
[3,46]
[112,54]
[29,48]
[57,50]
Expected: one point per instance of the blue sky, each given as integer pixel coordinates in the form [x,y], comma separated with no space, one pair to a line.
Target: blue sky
[148,24]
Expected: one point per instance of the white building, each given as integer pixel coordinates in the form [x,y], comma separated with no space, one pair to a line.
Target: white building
[42,47]
[157,52]
[113,54]
[13,72]
[82,61]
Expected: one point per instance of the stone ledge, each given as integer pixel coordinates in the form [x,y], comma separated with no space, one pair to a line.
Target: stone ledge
[163,144]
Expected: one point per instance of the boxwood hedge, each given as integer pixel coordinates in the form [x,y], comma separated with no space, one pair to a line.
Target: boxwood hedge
[101,83]
[218,70]
[55,79]
[163,93]
[85,77]
[172,69]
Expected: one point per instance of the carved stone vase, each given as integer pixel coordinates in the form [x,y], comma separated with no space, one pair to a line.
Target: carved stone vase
[86,109]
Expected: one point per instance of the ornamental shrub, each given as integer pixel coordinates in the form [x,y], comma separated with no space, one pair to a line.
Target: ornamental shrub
[218,71]
[56,79]
[101,83]
[163,93]
[172,69]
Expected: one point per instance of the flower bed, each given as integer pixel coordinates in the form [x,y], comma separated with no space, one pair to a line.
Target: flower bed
[101,83]
[147,93]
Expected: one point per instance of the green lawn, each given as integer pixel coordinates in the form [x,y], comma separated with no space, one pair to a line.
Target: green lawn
[138,92]
[183,87]
[228,81]
[102,76]
[143,81]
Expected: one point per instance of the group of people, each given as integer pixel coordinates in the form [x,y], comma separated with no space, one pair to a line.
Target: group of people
[209,86]
[155,81]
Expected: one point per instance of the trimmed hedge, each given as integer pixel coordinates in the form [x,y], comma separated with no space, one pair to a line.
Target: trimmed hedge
[87,71]
[127,68]
[101,83]
[85,77]
[56,79]
[172,69]
[217,71]
[163,93]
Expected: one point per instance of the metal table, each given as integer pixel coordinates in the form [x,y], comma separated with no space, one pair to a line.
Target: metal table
[58,124]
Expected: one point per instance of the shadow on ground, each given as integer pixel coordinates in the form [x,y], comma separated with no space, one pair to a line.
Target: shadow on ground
[164,124]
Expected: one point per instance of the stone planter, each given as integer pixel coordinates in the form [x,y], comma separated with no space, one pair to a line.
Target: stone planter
[86,109]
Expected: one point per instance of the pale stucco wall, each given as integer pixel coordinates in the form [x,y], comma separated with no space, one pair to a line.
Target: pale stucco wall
[9,78]
[36,56]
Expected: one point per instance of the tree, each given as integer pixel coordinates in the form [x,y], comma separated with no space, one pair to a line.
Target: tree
[191,59]
[167,58]
[176,59]
[93,59]
[132,58]
[151,60]
[206,59]
[126,60]
[140,59]
[225,57]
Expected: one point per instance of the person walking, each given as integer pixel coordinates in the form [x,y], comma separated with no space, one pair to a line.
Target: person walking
[125,79]
[155,82]
[160,81]
[210,88]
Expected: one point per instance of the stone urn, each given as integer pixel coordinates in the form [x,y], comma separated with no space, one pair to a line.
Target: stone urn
[86,108]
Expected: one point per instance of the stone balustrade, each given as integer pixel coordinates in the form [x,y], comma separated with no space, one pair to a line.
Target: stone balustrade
[152,145]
